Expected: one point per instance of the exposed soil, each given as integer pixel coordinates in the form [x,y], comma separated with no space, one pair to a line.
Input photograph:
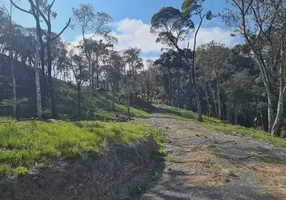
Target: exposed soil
[99,177]
[203,164]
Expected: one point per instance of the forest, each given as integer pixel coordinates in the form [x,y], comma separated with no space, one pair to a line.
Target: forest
[88,120]
[242,85]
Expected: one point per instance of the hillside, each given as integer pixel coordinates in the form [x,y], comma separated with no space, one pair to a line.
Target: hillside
[66,96]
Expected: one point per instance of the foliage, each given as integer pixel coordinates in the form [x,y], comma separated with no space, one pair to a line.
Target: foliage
[262,24]
[171,26]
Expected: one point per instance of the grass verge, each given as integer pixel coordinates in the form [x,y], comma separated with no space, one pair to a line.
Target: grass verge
[217,125]
[33,143]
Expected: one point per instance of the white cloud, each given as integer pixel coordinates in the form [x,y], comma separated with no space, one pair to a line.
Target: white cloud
[217,34]
[135,33]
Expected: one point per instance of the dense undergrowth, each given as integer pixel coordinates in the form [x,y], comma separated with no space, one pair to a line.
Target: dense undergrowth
[26,144]
[217,125]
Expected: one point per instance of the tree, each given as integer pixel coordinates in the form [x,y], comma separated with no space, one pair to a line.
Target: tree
[47,14]
[96,49]
[191,8]
[172,26]
[212,62]
[81,76]
[35,12]
[10,38]
[88,21]
[148,81]
[114,65]
[238,89]
[171,60]
[96,23]
[262,24]
[60,60]
[133,63]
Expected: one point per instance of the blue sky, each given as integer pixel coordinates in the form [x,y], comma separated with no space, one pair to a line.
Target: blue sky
[131,21]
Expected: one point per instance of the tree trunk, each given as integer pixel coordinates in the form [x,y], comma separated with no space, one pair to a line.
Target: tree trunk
[282,89]
[244,118]
[235,116]
[261,118]
[215,103]
[13,84]
[42,58]
[128,100]
[178,87]
[50,78]
[12,65]
[270,114]
[200,115]
[277,123]
[92,78]
[113,96]
[197,93]
[36,67]
[218,98]
[170,87]
[190,90]
[193,71]
[97,73]
[207,99]
[78,100]
[228,113]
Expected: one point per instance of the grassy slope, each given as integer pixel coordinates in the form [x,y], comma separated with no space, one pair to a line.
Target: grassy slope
[101,105]
[66,97]
[217,125]
[30,143]
[26,144]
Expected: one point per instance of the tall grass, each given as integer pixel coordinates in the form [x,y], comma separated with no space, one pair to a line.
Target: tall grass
[29,143]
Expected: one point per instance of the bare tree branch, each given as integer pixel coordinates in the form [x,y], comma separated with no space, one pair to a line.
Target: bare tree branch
[21,9]
[58,35]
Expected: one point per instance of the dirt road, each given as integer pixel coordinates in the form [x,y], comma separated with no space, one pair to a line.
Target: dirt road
[201,164]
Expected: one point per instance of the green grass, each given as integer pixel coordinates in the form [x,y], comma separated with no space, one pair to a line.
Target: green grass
[219,155]
[217,125]
[192,134]
[25,144]
[101,104]
[160,154]
[173,159]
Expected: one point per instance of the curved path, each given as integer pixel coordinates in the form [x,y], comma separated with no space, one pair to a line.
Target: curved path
[201,164]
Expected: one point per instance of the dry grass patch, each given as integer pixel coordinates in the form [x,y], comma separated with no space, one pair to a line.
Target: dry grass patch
[180,134]
[210,174]
[206,173]
[273,175]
